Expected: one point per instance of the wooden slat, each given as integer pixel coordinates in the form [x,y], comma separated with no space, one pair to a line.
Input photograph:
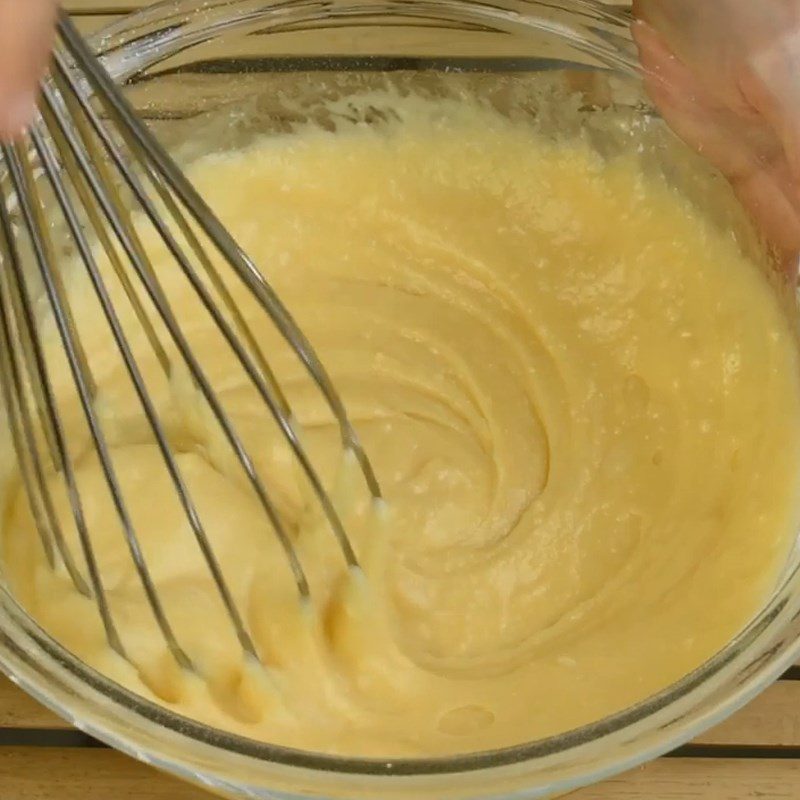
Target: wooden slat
[18,710]
[59,774]
[702,779]
[771,720]
[36,773]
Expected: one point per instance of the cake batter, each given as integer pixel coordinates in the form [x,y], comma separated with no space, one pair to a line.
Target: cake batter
[580,399]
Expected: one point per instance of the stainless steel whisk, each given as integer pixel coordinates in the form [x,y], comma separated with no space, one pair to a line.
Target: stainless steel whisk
[87,140]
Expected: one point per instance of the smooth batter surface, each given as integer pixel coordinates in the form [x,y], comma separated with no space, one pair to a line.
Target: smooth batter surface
[581,401]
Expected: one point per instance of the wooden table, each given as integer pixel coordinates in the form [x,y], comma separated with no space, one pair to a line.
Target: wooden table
[754,755]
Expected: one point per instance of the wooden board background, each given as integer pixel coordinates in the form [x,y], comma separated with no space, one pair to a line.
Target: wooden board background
[754,755]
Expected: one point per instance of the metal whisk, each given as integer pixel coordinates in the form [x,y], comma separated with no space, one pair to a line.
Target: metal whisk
[85,144]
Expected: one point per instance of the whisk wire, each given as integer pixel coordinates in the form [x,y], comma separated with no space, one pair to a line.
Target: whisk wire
[20,307]
[243,357]
[220,288]
[50,166]
[94,214]
[91,158]
[28,357]
[32,357]
[15,403]
[150,150]
[160,302]
[145,275]
[68,336]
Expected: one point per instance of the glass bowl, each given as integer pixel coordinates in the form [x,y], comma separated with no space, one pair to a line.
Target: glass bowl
[218,67]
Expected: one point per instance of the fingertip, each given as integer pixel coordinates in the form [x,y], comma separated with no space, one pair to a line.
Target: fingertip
[17,112]
[26,35]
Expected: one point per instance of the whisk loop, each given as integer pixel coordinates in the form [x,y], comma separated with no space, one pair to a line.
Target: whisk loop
[82,153]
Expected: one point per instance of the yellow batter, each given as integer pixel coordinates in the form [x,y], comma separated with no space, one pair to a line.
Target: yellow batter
[581,401]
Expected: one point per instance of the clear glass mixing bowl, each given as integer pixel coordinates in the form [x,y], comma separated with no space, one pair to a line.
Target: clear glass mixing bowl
[217,67]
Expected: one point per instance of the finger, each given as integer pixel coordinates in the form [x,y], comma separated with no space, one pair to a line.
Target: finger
[744,148]
[26,34]
[768,200]
[771,84]
[691,113]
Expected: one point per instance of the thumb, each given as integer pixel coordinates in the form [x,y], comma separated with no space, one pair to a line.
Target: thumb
[26,34]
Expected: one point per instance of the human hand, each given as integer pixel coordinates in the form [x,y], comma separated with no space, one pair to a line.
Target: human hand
[725,74]
[26,37]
